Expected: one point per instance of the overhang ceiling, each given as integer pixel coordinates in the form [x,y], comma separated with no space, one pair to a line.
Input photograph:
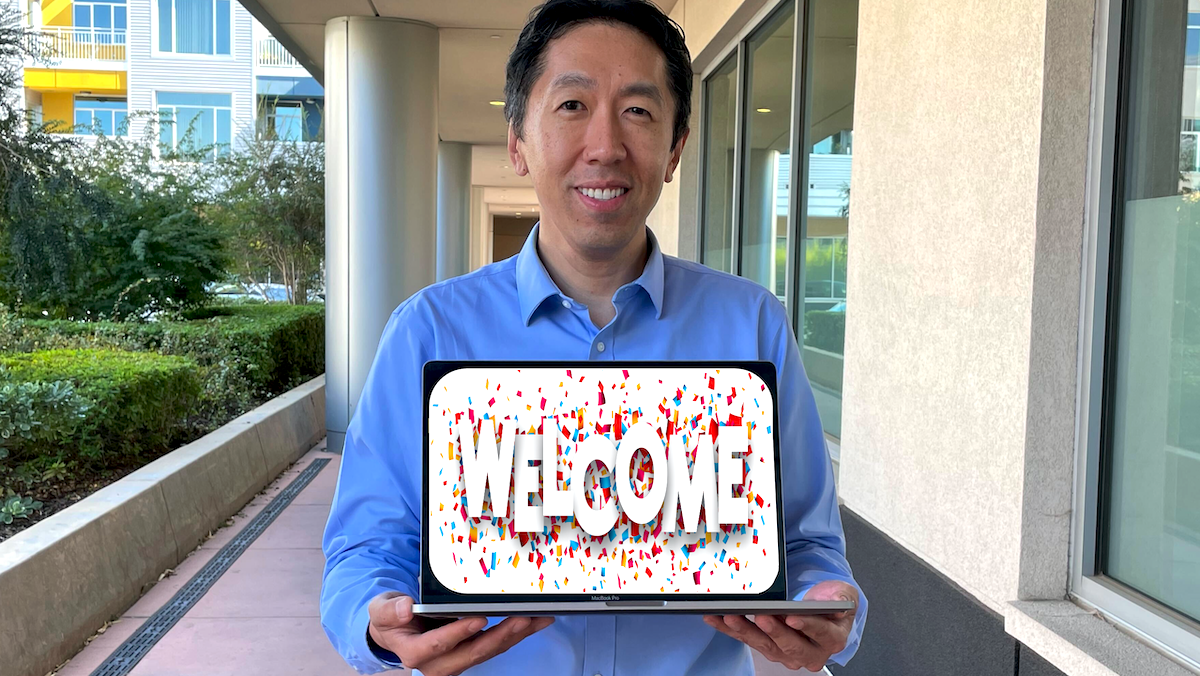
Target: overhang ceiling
[471,71]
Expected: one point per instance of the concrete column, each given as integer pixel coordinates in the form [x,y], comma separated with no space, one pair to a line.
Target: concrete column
[453,209]
[380,191]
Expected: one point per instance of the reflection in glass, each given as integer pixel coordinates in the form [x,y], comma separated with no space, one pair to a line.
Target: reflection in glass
[766,160]
[1153,380]
[827,211]
[720,104]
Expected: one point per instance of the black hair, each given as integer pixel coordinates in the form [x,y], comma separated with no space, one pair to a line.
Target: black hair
[555,17]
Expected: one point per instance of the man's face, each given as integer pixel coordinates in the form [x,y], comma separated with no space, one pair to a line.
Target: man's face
[597,135]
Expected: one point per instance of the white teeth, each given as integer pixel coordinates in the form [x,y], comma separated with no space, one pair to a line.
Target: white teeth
[605,194]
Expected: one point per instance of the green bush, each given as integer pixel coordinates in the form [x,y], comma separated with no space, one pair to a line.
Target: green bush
[247,353]
[33,413]
[136,402]
[825,330]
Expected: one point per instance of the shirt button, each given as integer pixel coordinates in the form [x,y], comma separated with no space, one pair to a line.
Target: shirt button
[566,303]
[600,347]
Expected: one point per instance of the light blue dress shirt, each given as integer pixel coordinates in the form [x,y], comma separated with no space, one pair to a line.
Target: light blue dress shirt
[512,309]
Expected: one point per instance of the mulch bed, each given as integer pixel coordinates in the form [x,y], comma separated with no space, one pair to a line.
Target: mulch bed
[58,494]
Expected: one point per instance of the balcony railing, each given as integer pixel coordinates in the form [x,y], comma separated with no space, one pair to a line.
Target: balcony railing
[273,55]
[52,43]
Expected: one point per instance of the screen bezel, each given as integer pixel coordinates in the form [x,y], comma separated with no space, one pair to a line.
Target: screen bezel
[433,591]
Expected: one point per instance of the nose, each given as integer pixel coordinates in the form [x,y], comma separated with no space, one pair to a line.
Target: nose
[605,144]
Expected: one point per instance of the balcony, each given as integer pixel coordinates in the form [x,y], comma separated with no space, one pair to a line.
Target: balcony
[58,46]
[271,54]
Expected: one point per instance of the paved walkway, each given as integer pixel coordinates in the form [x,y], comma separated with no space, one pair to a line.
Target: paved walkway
[262,616]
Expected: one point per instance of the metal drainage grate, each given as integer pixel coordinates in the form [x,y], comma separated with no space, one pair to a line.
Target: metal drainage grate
[123,660]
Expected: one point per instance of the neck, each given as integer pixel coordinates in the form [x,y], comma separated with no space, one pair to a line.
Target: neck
[589,276]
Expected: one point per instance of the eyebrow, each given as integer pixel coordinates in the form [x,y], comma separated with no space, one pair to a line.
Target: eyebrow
[575,79]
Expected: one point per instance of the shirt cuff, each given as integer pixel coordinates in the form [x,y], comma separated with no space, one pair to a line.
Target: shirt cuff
[382,654]
[371,658]
[860,618]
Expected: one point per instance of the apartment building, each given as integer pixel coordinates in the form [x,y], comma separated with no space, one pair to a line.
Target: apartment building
[203,64]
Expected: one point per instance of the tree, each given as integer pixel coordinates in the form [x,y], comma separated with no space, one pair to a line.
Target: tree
[273,205]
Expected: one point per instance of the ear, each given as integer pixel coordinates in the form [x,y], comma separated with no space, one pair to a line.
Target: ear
[676,154]
[516,154]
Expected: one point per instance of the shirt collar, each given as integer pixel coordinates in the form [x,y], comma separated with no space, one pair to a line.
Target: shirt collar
[534,284]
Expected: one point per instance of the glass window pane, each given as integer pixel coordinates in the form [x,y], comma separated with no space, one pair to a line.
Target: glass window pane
[768,116]
[119,20]
[224,127]
[287,123]
[1152,541]
[826,212]
[223,26]
[165,12]
[119,123]
[166,128]
[83,117]
[195,99]
[194,26]
[720,106]
[105,118]
[102,16]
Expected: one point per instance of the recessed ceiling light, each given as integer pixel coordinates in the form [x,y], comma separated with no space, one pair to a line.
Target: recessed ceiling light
[496,103]
[762,110]
[495,37]
[518,213]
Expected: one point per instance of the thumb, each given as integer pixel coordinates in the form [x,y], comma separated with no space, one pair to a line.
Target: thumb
[391,610]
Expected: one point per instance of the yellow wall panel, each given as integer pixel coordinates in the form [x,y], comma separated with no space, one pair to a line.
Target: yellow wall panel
[56,13]
[95,81]
[60,107]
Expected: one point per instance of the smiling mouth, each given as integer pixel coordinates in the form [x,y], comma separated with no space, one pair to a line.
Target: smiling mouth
[603,194]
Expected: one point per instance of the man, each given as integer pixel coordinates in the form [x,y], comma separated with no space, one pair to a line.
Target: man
[597,97]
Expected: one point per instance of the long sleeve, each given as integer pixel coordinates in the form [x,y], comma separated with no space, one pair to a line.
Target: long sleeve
[372,538]
[816,547]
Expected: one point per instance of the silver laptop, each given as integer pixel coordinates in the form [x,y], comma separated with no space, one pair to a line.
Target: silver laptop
[552,488]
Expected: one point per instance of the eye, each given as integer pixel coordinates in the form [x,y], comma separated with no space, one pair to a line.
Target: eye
[572,105]
[639,111]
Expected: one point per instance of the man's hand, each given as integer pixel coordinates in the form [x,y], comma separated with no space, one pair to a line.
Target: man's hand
[448,649]
[796,641]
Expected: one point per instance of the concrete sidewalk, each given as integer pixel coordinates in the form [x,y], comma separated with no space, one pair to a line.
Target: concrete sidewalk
[262,616]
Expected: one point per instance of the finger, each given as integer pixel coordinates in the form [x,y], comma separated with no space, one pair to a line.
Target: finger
[822,631]
[487,645]
[415,650]
[791,642]
[390,610]
[751,635]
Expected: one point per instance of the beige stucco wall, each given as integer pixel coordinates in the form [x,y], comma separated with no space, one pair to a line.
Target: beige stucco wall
[953,147]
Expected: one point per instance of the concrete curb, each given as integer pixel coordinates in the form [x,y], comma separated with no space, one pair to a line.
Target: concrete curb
[63,577]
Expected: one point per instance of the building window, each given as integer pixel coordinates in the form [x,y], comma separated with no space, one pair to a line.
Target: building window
[100,15]
[283,121]
[194,26]
[750,208]
[103,115]
[720,116]
[1147,544]
[191,122]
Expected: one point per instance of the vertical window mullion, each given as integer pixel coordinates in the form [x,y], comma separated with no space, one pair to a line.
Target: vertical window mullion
[797,224]
[739,133]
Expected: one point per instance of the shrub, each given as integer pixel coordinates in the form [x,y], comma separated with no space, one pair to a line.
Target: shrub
[825,330]
[136,402]
[246,352]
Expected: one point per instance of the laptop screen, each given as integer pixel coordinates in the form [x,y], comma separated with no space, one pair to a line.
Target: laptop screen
[600,481]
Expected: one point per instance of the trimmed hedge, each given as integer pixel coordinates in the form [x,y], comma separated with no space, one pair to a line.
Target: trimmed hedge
[136,403]
[246,352]
[825,330]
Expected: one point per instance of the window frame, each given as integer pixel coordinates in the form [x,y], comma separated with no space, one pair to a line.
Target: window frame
[1165,629]
[155,34]
[174,128]
[738,48]
[76,100]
